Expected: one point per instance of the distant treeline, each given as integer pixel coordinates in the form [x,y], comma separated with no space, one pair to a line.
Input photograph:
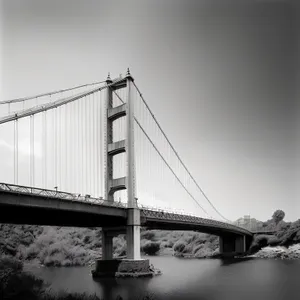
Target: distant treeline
[286,233]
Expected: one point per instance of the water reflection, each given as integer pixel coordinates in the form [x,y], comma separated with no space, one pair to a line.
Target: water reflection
[230,261]
[110,288]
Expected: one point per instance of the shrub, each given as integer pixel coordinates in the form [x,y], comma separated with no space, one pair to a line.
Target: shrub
[179,246]
[32,252]
[273,241]
[197,248]
[10,263]
[119,246]
[188,248]
[167,244]
[14,284]
[204,252]
[55,260]
[151,248]
[148,235]
[259,242]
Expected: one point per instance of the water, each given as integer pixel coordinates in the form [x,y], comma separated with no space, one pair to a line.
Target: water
[189,279]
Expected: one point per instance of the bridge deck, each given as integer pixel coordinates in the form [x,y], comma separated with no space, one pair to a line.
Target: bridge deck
[25,205]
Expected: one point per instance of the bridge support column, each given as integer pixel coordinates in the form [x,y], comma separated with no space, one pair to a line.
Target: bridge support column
[133,234]
[221,245]
[230,245]
[107,245]
[240,244]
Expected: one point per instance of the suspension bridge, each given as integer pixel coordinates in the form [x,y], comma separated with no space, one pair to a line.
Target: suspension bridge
[95,155]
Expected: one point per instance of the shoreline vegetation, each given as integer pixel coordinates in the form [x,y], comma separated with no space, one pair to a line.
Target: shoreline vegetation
[67,246]
[29,245]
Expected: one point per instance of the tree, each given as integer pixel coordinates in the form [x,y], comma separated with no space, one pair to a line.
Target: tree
[278,216]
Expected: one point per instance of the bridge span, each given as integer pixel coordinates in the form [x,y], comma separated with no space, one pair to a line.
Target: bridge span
[27,205]
[101,141]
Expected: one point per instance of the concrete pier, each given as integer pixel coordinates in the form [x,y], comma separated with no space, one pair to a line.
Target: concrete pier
[122,268]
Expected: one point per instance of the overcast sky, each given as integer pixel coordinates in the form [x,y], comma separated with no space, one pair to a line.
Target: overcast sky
[220,76]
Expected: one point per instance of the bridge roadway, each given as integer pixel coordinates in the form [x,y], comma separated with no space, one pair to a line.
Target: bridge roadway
[26,205]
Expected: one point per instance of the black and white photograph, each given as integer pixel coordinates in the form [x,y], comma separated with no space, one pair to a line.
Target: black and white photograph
[149,150]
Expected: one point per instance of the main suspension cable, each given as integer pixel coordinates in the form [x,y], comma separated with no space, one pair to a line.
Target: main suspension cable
[154,118]
[167,164]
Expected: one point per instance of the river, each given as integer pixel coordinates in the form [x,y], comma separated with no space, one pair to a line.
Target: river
[201,279]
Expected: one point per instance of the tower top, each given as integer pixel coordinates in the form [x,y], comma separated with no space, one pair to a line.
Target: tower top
[108,79]
[128,75]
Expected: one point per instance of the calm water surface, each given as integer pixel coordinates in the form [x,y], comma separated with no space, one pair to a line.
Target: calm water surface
[188,279]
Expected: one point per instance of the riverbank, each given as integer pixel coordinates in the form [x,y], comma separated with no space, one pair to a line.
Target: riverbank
[280,252]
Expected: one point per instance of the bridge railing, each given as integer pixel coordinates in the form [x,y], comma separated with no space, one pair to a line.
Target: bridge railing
[180,212]
[148,211]
[26,190]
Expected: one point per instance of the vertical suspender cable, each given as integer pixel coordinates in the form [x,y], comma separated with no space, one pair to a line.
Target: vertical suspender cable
[46,150]
[100,144]
[16,152]
[59,142]
[68,148]
[44,168]
[78,143]
[93,145]
[14,171]
[82,153]
[73,147]
[65,149]
[91,175]
[69,143]
[92,162]
[32,150]
[55,147]
[86,145]
[75,168]
[88,142]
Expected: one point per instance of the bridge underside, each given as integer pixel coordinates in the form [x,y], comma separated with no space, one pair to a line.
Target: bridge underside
[231,242]
[23,209]
[52,217]
[184,226]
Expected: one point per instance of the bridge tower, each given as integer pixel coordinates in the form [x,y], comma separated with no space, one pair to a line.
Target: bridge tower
[128,182]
